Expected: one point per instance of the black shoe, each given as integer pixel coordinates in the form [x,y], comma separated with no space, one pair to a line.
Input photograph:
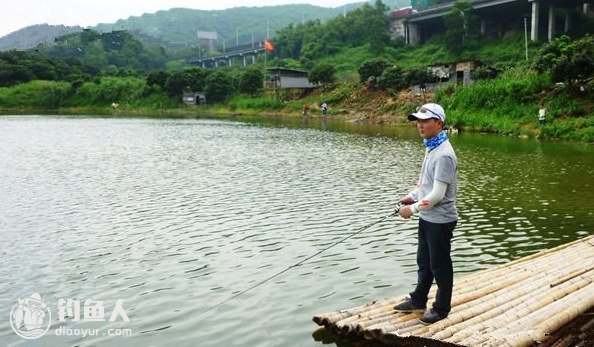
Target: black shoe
[431,317]
[408,306]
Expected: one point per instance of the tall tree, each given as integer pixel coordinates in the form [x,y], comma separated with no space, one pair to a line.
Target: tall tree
[570,62]
[460,25]
[322,73]
[219,86]
[251,81]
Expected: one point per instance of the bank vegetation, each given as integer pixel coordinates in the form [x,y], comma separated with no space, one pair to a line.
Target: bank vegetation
[363,76]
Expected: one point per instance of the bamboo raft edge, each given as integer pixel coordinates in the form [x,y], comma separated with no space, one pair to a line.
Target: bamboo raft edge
[541,284]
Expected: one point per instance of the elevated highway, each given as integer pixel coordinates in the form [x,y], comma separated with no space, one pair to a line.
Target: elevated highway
[243,54]
[550,16]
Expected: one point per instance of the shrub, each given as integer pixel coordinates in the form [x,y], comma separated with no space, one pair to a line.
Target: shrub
[35,94]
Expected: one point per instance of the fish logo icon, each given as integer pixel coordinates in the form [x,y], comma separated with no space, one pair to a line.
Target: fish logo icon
[30,318]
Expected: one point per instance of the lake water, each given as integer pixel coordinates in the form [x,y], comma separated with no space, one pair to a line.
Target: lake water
[175,216]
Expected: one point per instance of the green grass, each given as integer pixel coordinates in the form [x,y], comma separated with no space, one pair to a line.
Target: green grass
[261,103]
[36,94]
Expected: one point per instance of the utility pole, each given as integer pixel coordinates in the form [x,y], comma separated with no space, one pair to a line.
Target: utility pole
[526,36]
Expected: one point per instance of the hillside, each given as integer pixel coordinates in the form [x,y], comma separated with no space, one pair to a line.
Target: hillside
[31,36]
[178,27]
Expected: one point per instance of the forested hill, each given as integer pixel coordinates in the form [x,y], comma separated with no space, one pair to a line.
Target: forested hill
[33,35]
[178,27]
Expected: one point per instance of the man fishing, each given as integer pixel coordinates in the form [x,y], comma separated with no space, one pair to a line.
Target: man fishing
[434,201]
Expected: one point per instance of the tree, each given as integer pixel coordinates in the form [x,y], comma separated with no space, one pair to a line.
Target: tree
[322,73]
[373,69]
[378,25]
[251,81]
[568,61]
[219,86]
[418,76]
[393,77]
[184,80]
[158,77]
[460,25]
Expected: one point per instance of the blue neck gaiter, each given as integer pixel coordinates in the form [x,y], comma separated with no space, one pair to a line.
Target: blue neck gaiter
[432,143]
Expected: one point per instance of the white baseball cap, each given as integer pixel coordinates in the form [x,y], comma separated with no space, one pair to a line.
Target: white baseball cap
[427,111]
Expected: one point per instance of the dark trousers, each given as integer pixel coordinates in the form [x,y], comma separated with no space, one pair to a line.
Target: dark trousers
[434,261]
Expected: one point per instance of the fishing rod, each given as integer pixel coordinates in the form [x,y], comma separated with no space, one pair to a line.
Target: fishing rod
[304,260]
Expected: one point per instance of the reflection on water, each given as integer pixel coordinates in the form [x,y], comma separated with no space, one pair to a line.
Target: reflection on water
[175,216]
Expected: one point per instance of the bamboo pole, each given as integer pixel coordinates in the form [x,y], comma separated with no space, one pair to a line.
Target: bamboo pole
[381,328]
[512,297]
[385,309]
[499,317]
[330,317]
[522,301]
[571,275]
[503,295]
[580,304]
[586,239]
[565,308]
[393,329]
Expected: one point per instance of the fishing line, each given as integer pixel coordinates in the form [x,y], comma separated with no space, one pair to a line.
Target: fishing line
[303,260]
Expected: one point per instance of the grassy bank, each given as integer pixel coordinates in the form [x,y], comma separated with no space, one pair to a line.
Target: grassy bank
[506,105]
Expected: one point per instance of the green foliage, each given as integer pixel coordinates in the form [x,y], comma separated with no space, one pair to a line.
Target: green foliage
[157,77]
[512,88]
[393,78]
[288,63]
[417,76]
[109,89]
[312,40]
[373,69]
[17,67]
[568,61]
[251,81]
[322,73]
[35,94]
[187,80]
[219,86]
[341,93]
[251,103]
[107,52]
[460,25]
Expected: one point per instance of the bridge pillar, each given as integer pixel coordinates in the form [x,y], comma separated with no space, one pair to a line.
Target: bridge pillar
[567,22]
[253,59]
[413,37]
[534,21]
[551,24]
[229,61]
[244,63]
[586,8]
[483,26]
[203,65]
[216,63]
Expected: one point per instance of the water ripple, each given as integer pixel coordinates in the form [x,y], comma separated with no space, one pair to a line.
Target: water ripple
[175,216]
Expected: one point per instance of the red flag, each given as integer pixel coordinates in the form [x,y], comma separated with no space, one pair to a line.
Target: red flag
[268,45]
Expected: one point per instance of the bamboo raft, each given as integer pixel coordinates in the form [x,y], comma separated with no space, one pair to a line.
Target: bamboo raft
[520,303]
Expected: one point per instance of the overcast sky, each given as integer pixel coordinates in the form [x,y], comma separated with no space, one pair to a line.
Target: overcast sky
[16,14]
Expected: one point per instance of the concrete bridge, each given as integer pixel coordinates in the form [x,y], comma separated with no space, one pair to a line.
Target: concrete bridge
[242,54]
[550,16]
